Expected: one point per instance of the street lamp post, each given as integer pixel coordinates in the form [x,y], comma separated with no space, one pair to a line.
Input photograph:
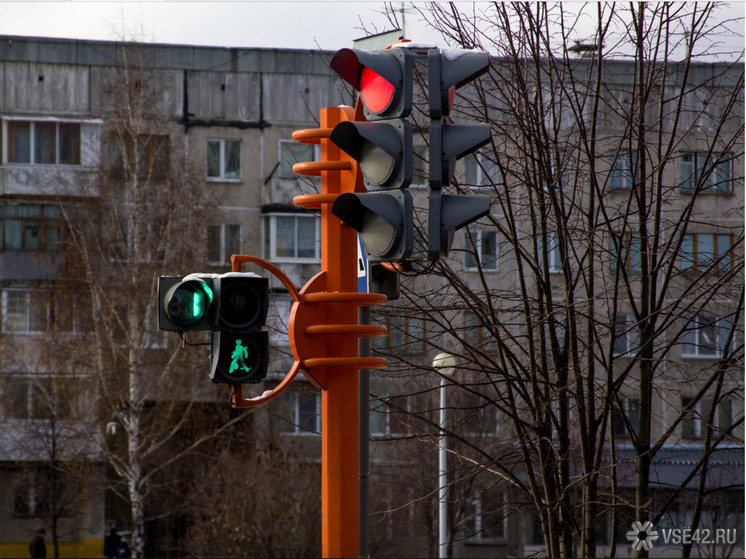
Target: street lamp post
[445,364]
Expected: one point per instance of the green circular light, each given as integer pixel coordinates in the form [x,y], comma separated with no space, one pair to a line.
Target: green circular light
[188,302]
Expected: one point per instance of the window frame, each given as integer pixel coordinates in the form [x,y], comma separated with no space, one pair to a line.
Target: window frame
[698,163]
[223,248]
[58,160]
[481,166]
[408,328]
[721,260]
[46,222]
[629,335]
[316,154]
[477,234]
[221,177]
[693,423]
[694,349]
[270,232]
[623,170]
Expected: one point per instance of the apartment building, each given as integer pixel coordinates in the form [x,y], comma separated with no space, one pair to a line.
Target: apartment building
[220,121]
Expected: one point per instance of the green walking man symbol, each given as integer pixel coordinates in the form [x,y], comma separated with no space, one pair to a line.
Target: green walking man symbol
[238,357]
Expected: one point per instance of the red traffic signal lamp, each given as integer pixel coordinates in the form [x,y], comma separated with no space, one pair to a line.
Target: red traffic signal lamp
[383,78]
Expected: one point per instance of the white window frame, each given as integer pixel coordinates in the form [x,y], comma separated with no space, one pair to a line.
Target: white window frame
[482,166]
[629,335]
[280,144]
[477,235]
[297,428]
[697,414]
[693,163]
[223,155]
[553,253]
[622,165]
[692,344]
[271,240]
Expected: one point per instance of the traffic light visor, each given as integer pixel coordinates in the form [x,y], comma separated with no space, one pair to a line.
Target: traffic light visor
[383,220]
[383,149]
[188,301]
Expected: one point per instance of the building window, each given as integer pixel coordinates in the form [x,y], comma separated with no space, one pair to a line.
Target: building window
[222,242]
[482,244]
[625,250]
[293,238]
[32,311]
[42,142]
[625,335]
[697,170]
[694,424]
[553,253]
[484,516]
[405,333]
[623,171]
[705,336]
[31,227]
[305,415]
[628,408]
[702,251]
[476,334]
[224,160]
[389,416]
[144,156]
[479,170]
[292,152]
[35,492]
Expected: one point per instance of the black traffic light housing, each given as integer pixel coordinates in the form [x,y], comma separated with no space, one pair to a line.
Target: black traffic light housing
[185,303]
[234,307]
[384,221]
[383,148]
[450,142]
[383,78]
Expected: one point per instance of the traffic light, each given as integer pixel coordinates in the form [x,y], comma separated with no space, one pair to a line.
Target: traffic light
[185,303]
[382,146]
[234,307]
[450,142]
[240,348]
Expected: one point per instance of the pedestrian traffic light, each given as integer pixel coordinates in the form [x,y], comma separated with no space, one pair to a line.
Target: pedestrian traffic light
[240,349]
[448,70]
[383,148]
[185,303]
[234,307]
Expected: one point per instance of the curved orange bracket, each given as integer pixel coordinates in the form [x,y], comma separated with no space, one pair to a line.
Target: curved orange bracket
[237,400]
[310,324]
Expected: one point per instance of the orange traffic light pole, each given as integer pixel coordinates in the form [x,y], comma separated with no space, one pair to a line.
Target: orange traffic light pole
[324,331]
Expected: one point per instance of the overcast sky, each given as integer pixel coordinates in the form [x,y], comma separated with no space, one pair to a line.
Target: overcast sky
[306,25]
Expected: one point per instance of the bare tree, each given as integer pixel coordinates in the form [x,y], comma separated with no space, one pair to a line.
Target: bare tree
[139,221]
[614,161]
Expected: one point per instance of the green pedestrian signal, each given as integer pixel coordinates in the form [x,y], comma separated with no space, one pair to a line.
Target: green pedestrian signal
[239,357]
